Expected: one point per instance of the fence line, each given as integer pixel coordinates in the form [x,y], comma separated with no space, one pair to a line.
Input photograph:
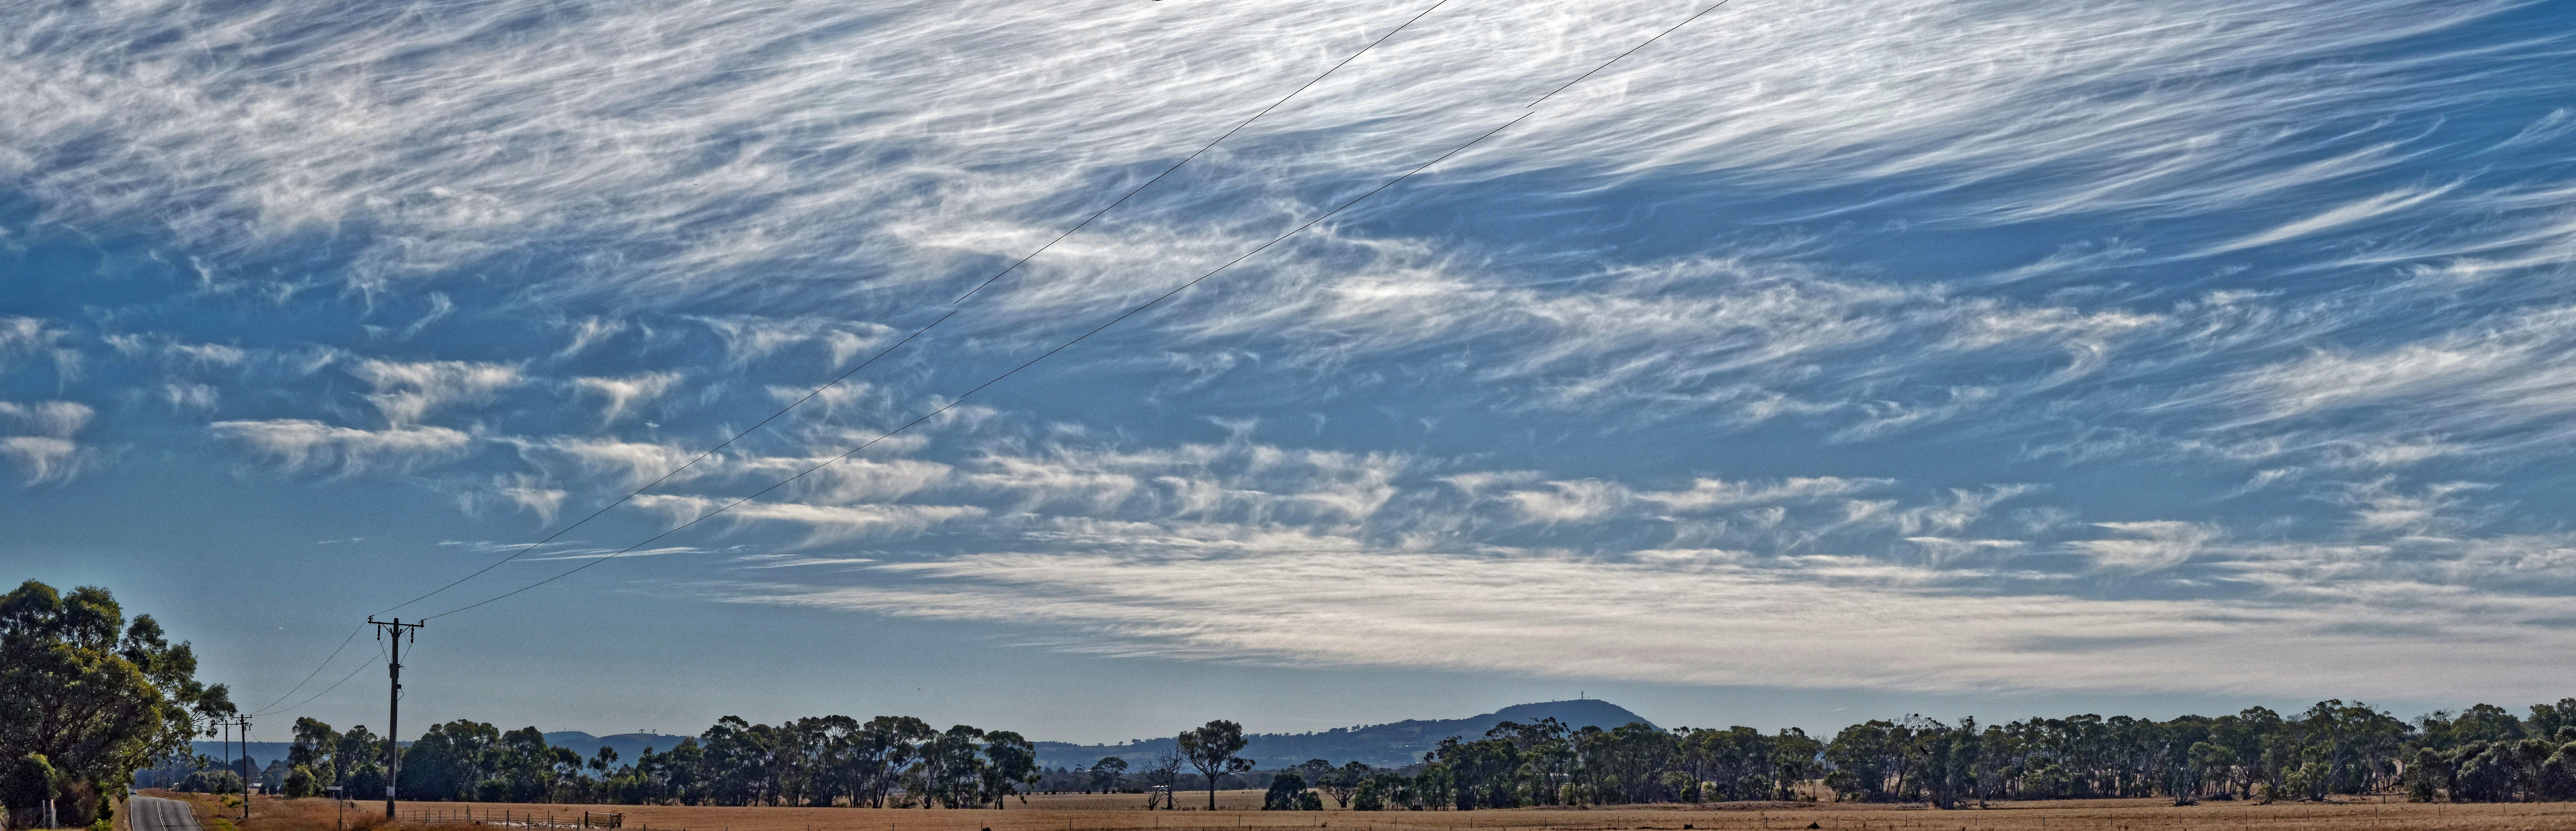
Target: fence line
[515,819]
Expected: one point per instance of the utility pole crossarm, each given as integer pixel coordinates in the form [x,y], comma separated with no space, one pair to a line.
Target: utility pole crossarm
[393,709]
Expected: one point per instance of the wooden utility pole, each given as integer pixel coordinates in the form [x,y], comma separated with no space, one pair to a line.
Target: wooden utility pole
[246,765]
[393,706]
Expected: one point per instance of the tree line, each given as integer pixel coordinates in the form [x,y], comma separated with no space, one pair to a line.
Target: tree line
[2485,753]
[887,761]
[2482,754]
[88,697]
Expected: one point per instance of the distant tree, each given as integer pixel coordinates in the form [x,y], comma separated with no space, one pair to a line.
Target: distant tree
[2547,720]
[272,779]
[521,767]
[1285,788]
[1166,773]
[682,774]
[1009,763]
[312,749]
[1434,787]
[359,750]
[211,780]
[300,783]
[738,756]
[1314,771]
[1386,790]
[1211,749]
[450,761]
[1949,763]
[1106,772]
[1870,761]
[1344,782]
[2211,762]
[879,752]
[950,771]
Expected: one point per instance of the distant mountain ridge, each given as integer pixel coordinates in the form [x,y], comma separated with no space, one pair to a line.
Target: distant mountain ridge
[1383,745]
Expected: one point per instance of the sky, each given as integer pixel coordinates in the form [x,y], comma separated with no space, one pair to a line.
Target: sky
[1815,362]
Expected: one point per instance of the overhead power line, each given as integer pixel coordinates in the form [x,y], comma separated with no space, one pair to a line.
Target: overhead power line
[380,651]
[308,677]
[1014,266]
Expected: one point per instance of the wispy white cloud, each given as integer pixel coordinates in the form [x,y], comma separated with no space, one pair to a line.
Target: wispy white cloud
[58,419]
[1926,246]
[2508,384]
[632,464]
[2342,215]
[32,336]
[588,332]
[619,394]
[1588,500]
[752,338]
[2147,546]
[1717,622]
[41,458]
[300,444]
[408,391]
[42,448]
[819,523]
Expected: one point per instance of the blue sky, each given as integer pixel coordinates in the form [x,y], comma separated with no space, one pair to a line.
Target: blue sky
[1817,362]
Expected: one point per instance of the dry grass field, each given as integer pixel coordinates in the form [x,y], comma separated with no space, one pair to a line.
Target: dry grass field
[1123,813]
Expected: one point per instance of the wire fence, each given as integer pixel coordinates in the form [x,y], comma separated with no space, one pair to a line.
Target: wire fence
[513,819]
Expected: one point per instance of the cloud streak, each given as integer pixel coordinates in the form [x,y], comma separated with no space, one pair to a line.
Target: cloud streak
[1824,626]
[1903,343]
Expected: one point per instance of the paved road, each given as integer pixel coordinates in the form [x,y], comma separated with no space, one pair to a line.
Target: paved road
[152,813]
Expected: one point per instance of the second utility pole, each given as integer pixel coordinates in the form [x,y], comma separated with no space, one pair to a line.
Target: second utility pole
[246,764]
[393,706]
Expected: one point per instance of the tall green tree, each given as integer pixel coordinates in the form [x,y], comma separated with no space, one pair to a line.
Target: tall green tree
[1211,748]
[314,744]
[450,761]
[92,696]
[1344,782]
[1010,763]
[880,752]
[1106,773]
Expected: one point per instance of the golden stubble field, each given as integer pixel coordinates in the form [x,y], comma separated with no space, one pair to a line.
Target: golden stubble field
[1236,811]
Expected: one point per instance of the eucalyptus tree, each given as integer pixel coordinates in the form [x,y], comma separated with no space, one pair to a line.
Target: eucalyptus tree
[1164,773]
[1344,782]
[87,698]
[312,750]
[1106,773]
[1010,763]
[1211,748]
[879,753]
